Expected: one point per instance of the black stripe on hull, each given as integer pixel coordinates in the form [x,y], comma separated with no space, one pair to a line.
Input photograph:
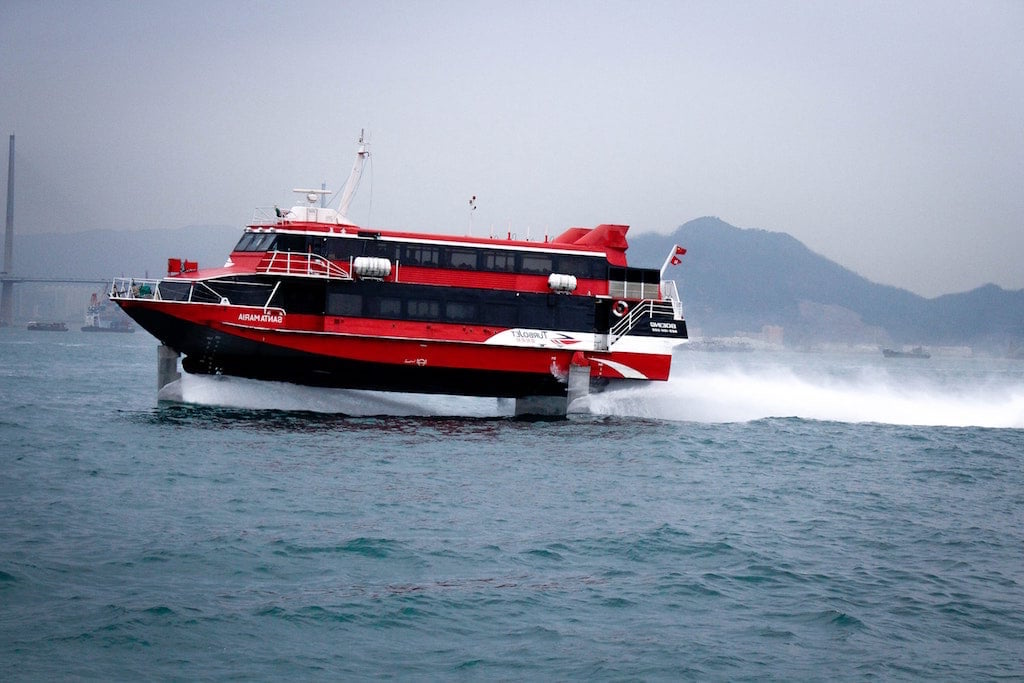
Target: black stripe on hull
[208,351]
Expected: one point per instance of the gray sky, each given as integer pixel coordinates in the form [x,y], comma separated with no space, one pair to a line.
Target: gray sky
[888,136]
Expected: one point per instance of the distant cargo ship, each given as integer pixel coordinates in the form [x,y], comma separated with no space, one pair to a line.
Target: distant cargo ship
[916,352]
[47,327]
[103,316]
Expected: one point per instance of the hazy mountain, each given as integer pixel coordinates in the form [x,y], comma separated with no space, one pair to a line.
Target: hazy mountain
[737,280]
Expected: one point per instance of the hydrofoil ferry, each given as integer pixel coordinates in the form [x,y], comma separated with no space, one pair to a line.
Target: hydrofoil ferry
[309,297]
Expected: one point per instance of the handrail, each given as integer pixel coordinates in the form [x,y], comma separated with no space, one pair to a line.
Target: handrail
[646,307]
[134,288]
[669,291]
[266,215]
[299,263]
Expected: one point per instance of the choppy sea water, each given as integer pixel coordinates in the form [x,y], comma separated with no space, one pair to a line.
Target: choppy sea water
[761,516]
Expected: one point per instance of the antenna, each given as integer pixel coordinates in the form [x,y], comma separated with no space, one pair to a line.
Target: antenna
[353,177]
[312,196]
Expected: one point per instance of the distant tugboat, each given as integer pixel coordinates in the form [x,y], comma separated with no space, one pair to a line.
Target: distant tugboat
[47,327]
[916,352]
[103,316]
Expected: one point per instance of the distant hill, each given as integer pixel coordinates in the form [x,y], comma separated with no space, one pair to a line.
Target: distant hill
[737,280]
[732,280]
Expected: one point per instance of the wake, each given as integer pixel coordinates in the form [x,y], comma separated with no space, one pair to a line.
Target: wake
[707,390]
[237,392]
[870,394]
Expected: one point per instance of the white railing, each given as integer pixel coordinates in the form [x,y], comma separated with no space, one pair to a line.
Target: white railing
[134,288]
[633,315]
[266,215]
[669,291]
[294,263]
[621,289]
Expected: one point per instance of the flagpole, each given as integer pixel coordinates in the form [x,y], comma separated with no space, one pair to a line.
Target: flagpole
[672,258]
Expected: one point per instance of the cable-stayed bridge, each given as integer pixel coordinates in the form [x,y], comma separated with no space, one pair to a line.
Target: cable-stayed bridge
[7,278]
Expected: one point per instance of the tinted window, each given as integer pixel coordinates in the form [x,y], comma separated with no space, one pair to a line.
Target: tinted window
[536,263]
[293,243]
[300,297]
[388,307]
[342,248]
[463,259]
[424,309]
[242,293]
[261,242]
[174,291]
[243,244]
[380,249]
[416,255]
[582,266]
[506,315]
[339,303]
[454,310]
[500,261]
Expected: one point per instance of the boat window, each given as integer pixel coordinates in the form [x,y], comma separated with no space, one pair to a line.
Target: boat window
[389,307]
[458,311]
[300,297]
[582,266]
[293,243]
[343,248]
[462,259]
[424,309]
[644,275]
[205,295]
[417,255]
[339,303]
[381,249]
[243,244]
[261,243]
[174,291]
[536,263]
[241,293]
[500,261]
[506,315]
[318,245]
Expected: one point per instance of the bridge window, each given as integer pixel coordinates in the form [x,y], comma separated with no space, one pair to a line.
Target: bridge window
[261,242]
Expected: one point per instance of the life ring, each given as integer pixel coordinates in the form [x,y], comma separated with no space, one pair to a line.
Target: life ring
[620,309]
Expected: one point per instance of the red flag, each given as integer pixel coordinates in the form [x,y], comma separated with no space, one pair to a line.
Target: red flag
[680,250]
[676,261]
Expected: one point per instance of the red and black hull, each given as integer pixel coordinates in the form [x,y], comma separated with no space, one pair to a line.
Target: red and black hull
[372,363]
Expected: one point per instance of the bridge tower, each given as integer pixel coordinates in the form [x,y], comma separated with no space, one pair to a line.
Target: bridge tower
[7,291]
